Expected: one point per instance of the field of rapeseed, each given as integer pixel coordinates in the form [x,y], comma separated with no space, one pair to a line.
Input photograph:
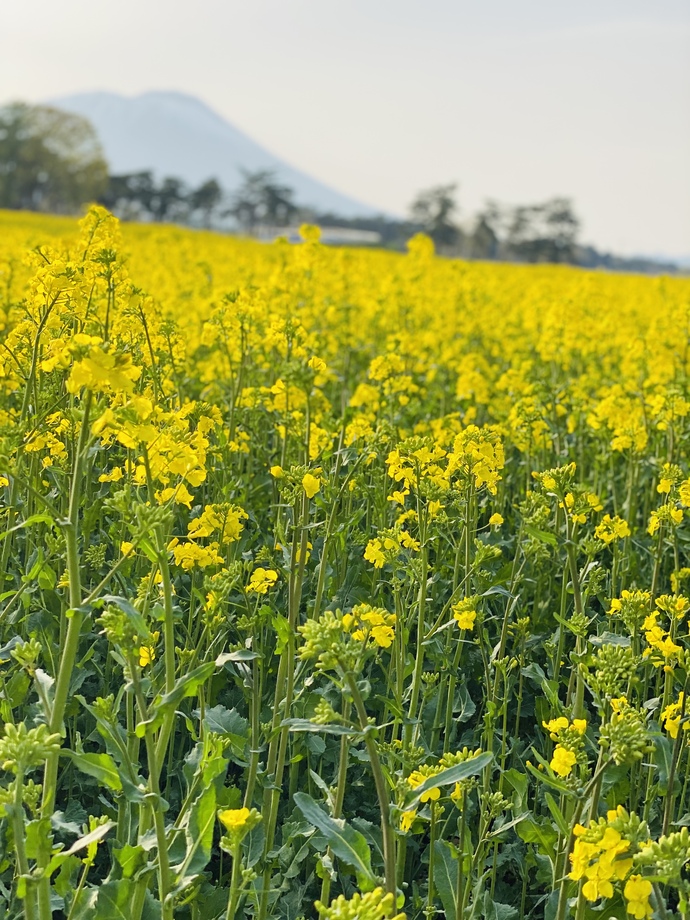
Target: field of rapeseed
[338,584]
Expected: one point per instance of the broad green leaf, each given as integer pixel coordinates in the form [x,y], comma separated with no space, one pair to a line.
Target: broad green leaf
[113,901]
[101,766]
[446,877]
[130,859]
[540,833]
[542,536]
[347,843]
[224,721]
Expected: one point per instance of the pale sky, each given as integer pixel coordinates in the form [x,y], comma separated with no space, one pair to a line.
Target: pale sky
[517,100]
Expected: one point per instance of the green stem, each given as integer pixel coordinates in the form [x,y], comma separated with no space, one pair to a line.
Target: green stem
[379,782]
[234,883]
[20,844]
[461,860]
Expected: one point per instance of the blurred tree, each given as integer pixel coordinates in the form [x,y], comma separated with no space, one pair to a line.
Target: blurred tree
[484,243]
[433,210]
[544,232]
[130,195]
[206,199]
[49,160]
[262,200]
[170,200]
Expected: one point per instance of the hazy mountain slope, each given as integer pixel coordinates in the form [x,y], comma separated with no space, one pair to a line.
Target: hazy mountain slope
[177,135]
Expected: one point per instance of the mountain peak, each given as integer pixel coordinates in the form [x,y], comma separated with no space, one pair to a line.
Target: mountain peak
[176,134]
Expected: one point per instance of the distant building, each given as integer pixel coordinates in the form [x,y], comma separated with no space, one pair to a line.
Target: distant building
[336,236]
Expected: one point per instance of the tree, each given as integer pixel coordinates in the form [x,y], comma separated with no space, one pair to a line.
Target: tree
[433,209]
[130,195]
[206,199]
[262,200]
[169,200]
[544,232]
[49,160]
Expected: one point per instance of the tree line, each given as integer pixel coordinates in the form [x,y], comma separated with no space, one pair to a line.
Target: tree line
[53,161]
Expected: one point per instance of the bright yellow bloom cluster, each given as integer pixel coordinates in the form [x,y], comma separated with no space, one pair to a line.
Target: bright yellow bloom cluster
[262,580]
[465,613]
[370,624]
[674,716]
[599,857]
[611,528]
[569,748]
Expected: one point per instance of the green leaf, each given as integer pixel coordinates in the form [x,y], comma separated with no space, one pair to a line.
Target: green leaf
[304,725]
[452,775]
[542,834]
[494,910]
[281,625]
[557,815]
[92,837]
[34,519]
[131,612]
[130,859]
[224,721]
[113,901]
[545,778]
[348,844]
[520,784]
[541,535]
[242,654]
[199,833]
[184,686]
[446,876]
[101,766]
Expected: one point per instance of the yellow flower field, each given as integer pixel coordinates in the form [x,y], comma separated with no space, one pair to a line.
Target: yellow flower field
[337,582]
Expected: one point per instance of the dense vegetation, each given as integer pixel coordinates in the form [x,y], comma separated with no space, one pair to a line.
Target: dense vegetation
[338,576]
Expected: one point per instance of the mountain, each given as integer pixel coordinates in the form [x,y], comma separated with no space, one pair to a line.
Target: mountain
[173,134]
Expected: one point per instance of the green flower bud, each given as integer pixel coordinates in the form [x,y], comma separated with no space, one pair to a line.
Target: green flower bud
[23,748]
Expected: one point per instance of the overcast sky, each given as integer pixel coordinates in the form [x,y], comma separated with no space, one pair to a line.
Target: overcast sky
[517,101]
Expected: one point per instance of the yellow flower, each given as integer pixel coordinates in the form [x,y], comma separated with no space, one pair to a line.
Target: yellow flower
[611,528]
[555,725]
[417,778]
[277,472]
[147,653]
[310,484]
[562,761]
[180,494]
[465,613]
[407,819]
[115,475]
[234,819]
[317,364]
[465,619]
[262,580]
[580,725]
[637,892]
[374,553]
[496,520]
